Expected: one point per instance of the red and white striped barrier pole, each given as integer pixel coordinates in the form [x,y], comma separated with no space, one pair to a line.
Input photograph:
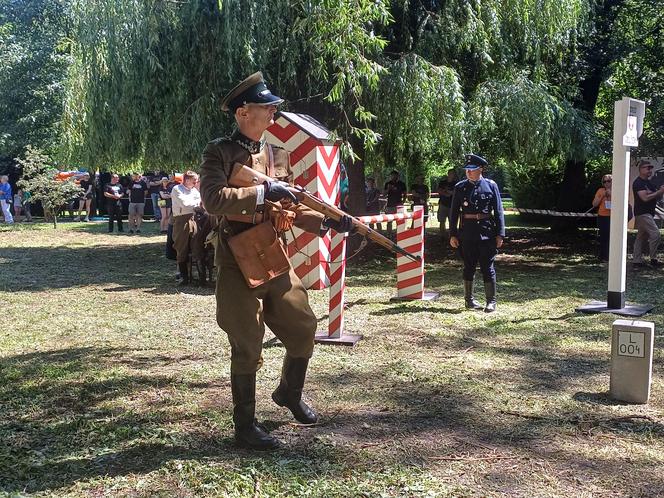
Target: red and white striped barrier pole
[337,277]
[410,274]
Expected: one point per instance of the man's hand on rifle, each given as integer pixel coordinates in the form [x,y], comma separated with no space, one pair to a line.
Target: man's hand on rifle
[276,191]
[345,224]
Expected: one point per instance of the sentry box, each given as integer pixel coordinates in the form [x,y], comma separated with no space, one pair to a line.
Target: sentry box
[631,360]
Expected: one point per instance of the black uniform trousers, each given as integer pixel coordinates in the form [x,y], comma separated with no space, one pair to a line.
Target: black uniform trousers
[482,252]
[114,210]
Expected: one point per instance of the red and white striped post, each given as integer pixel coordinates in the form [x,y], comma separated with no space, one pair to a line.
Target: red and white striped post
[410,274]
[337,276]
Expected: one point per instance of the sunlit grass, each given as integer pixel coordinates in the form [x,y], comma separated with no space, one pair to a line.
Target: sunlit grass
[112,382]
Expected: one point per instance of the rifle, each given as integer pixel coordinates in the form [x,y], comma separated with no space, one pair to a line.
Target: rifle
[243,176]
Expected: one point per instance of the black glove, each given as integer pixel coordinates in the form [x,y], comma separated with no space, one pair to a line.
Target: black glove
[345,224]
[275,191]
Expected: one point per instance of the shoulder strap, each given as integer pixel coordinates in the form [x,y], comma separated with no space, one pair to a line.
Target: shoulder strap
[270,161]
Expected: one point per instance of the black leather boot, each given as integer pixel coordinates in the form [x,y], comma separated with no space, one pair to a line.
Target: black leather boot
[490,292]
[184,274]
[248,434]
[289,392]
[471,303]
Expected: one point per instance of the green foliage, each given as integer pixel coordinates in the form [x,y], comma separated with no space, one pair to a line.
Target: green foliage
[31,73]
[148,76]
[342,49]
[519,120]
[422,121]
[638,72]
[407,85]
[534,185]
[39,178]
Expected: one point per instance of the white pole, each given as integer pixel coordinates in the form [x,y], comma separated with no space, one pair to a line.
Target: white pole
[619,194]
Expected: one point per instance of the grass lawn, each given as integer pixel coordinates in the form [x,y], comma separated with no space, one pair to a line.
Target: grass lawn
[114,383]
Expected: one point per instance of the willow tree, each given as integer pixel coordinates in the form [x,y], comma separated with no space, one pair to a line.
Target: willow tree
[149,74]
[460,75]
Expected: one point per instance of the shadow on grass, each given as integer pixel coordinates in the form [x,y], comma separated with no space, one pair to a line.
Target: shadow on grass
[127,266]
[61,420]
[77,414]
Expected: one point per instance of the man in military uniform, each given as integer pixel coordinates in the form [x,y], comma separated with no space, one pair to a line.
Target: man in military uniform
[476,202]
[281,302]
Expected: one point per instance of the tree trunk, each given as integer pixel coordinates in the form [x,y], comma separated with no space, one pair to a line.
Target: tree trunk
[357,199]
[570,198]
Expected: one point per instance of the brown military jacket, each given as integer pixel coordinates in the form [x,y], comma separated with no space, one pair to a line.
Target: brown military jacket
[239,204]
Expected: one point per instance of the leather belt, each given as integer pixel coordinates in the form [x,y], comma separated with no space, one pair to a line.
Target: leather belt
[228,228]
[254,219]
[477,216]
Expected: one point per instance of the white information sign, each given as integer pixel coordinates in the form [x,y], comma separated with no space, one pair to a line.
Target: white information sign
[631,344]
[631,137]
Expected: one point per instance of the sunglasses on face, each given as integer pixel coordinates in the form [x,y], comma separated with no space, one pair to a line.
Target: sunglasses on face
[606,181]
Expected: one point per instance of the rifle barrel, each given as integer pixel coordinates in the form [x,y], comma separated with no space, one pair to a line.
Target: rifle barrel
[335,213]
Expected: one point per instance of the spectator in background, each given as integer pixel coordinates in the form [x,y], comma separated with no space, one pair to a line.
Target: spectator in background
[445,193]
[395,190]
[138,188]
[420,195]
[645,201]
[27,204]
[154,186]
[343,188]
[18,205]
[185,199]
[602,202]
[164,203]
[6,198]
[373,200]
[85,201]
[113,192]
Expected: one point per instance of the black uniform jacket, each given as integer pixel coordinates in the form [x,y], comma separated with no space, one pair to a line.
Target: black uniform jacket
[483,198]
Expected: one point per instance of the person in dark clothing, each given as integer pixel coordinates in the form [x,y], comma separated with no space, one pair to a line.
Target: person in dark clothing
[154,185]
[113,192]
[477,203]
[445,193]
[373,200]
[646,196]
[419,192]
[85,201]
[138,188]
[395,190]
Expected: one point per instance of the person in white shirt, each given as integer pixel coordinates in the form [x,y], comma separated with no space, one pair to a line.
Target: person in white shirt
[185,199]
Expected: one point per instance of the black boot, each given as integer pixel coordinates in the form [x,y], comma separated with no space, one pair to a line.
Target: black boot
[490,292]
[184,274]
[471,303]
[289,392]
[248,434]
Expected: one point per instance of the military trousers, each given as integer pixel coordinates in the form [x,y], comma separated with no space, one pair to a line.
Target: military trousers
[482,252]
[242,312]
[184,229]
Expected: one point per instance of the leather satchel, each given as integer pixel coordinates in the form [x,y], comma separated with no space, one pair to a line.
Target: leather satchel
[259,254]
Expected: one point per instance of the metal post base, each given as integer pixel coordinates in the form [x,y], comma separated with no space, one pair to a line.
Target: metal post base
[427,296]
[342,340]
[627,310]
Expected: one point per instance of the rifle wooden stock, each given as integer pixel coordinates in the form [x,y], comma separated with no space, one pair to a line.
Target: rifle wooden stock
[243,176]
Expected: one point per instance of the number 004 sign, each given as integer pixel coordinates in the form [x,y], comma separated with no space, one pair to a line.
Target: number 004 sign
[631,344]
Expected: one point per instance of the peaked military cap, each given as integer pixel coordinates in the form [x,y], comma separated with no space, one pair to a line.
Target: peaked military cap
[251,90]
[474,161]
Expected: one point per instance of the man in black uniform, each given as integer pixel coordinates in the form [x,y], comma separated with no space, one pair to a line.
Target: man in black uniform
[477,203]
